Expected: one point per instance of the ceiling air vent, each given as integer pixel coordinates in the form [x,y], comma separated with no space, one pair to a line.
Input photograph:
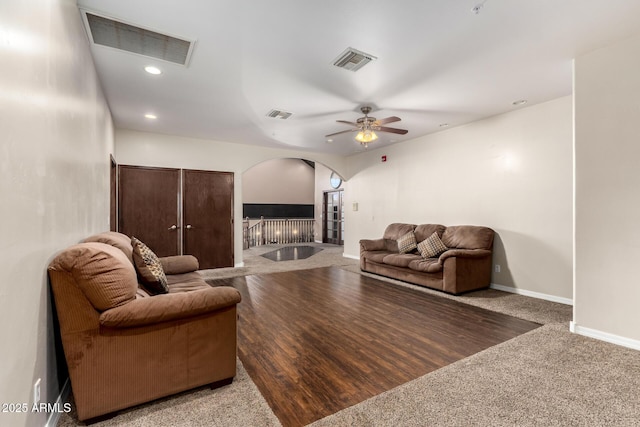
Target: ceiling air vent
[352,59]
[119,35]
[279,114]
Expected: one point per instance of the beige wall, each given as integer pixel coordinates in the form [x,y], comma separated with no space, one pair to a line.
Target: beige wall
[282,181]
[149,149]
[511,172]
[607,203]
[57,136]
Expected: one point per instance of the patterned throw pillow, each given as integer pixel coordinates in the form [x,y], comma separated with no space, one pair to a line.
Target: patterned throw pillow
[407,243]
[149,268]
[431,247]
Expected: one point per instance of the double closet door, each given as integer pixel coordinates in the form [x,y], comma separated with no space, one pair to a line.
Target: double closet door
[178,211]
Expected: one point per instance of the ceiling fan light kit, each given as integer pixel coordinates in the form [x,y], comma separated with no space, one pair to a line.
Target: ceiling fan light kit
[366,136]
[367,126]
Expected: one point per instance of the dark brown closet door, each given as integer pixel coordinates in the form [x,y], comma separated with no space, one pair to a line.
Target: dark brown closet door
[208,217]
[148,207]
[113,185]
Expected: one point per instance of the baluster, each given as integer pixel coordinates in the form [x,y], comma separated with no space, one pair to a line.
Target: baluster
[294,230]
[276,229]
[265,232]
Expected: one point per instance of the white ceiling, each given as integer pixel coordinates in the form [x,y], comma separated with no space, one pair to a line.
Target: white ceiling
[438,62]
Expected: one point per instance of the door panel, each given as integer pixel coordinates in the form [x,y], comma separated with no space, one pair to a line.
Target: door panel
[113,185]
[148,202]
[333,228]
[208,217]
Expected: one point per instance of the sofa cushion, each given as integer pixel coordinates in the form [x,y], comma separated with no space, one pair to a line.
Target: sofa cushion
[178,264]
[102,272]
[400,260]
[186,282]
[429,265]
[149,268]
[396,230]
[423,231]
[373,245]
[468,237]
[407,243]
[113,238]
[432,246]
[375,256]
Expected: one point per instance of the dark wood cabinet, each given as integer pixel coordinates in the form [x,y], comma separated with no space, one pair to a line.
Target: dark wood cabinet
[176,211]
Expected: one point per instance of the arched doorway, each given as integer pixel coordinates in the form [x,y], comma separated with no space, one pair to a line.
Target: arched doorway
[276,186]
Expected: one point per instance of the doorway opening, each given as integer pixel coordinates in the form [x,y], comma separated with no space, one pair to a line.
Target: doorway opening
[333,226]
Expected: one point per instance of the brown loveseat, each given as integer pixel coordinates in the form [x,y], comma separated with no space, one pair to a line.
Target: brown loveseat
[124,347]
[465,265]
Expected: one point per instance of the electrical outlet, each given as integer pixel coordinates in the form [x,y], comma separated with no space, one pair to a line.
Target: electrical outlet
[36,392]
[497,269]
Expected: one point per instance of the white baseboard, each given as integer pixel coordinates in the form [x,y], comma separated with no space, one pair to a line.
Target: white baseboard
[62,398]
[350,256]
[604,336]
[238,265]
[532,294]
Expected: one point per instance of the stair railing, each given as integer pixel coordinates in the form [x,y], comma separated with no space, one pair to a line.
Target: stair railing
[278,231]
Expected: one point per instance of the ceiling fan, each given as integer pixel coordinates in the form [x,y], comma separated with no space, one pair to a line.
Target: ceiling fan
[367,126]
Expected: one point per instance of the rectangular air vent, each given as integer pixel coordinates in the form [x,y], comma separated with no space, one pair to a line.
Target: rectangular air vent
[119,35]
[279,114]
[353,59]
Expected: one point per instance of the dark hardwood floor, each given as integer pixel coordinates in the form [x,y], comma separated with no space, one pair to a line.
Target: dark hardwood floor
[318,341]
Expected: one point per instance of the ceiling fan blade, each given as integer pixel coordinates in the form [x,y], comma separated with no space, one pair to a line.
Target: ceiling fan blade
[392,130]
[388,120]
[338,133]
[347,123]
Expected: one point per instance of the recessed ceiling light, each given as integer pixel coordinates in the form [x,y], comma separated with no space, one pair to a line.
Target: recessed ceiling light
[151,116]
[519,102]
[329,140]
[153,70]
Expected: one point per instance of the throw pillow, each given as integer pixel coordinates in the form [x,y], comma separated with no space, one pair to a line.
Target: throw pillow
[407,243]
[149,268]
[431,247]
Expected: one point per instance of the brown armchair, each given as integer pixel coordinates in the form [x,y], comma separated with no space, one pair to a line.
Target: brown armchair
[124,347]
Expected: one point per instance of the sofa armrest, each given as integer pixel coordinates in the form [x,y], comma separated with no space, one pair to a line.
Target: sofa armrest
[179,264]
[167,307]
[464,253]
[372,245]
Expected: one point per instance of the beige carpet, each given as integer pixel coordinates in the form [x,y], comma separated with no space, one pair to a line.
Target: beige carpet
[547,377]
